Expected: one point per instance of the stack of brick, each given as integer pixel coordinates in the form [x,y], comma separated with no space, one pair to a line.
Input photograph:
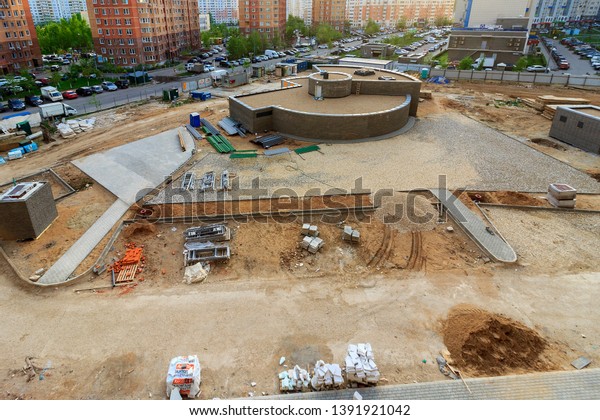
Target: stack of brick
[327,376]
[562,196]
[350,235]
[296,379]
[310,230]
[360,365]
[311,241]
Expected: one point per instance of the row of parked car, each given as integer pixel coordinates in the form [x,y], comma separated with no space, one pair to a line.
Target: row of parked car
[585,51]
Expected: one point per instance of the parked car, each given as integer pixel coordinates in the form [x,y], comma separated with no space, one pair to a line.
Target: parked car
[33,100]
[70,94]
[537,68]
[122,83]
[42,81]
[15,104]
[54,67]
[564,65]
[97,89]
[110,86]
[209,68]
[220,59]
[3,107]
[84,91]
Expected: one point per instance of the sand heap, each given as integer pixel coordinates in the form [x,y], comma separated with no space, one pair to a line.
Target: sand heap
[488,344]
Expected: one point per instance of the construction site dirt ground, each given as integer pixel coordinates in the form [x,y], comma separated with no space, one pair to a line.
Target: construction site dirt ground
[272,299]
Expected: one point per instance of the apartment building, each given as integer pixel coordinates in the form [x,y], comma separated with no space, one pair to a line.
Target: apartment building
[131,32]
[265,16]
[54,10]
[301,9]
[222,11]
[388,12]
[332,12]
[479,13]
[558,12]
[19,47]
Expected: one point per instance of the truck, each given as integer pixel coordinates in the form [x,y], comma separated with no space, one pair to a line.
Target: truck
[51,93]
[195,67]
[56,110]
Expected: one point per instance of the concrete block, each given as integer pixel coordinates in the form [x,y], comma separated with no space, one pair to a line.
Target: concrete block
[305,228]
[313,231]
[306,242]
[355,236]
[347,234]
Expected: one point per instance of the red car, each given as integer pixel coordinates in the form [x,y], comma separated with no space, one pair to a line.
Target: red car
[69,94]
[564,65]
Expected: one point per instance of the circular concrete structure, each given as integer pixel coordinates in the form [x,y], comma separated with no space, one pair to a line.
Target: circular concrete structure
[330,84]
[332,104]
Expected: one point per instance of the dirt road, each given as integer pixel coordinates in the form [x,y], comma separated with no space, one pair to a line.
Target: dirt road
[118,345]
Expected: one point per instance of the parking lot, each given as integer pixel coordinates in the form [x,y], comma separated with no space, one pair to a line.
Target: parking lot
[578,65]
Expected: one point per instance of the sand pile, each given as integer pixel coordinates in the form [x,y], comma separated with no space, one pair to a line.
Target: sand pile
[484,343]
[141,227]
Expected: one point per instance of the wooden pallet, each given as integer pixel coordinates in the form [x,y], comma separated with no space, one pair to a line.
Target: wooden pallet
[127,274]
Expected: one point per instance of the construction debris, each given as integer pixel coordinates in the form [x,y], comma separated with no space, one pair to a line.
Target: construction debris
[327,376]
[580,362]
[129,266]
[196,273]
[294,380]
[184,374]
[187,182]
[207,182]
[268,141]
[356,396]
[225,185]
[562,195]
[360,365]
[350,235]
[215,232]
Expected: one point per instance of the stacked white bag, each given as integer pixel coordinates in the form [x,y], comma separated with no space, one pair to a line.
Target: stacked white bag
[360,364]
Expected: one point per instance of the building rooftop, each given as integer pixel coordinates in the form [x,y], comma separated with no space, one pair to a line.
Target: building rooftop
[21,191]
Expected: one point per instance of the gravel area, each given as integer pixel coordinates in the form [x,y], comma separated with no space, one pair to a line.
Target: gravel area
[467,153]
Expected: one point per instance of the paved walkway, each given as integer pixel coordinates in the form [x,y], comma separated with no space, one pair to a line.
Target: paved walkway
[70,260]
[474,227]
[570,385]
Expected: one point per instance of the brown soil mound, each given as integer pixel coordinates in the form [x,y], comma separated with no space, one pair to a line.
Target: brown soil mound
[517,198]
[488,344]
[142,227]
[548,143]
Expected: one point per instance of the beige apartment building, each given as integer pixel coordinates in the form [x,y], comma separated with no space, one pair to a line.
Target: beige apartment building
[264,16]
[19,47]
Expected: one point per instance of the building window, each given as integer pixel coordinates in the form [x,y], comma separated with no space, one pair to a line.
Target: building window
[99,31]
[101,40]
[580,124]
[562,118]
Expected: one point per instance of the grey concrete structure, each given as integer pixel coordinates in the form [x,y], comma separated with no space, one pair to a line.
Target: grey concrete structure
[376,50]
[304,118]
[26,210]
[578,125]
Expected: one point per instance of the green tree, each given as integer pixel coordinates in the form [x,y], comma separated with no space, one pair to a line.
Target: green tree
[401,24]
[253,43]
[466,63]
[292,25]
[65,35]
[442,21]
[347,26]
[205,36]
[521,64]
[372,27]
[325,33]
[236,47]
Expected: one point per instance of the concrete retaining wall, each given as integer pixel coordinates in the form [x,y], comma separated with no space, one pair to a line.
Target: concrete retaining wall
[577,128]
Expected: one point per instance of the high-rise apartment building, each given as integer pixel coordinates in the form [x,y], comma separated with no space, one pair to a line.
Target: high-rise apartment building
[559,12]
[332,12]
[388,12]
[221,11]
[264,16]
[301,9]
[54,10]
[478,13]
[19,47]
[130,32]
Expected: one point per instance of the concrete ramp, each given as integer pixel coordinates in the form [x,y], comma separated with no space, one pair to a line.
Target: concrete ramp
[473,226]
[126,170]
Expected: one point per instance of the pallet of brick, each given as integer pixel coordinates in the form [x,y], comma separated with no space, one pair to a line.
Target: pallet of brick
[350,235]
[532,103]
[315,245]
[309,230]
[360,365]
[562,196]
[326,376]
[294,380]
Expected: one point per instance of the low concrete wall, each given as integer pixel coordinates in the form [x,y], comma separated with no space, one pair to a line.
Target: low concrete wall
[255,120]
[340,127]
[577,128]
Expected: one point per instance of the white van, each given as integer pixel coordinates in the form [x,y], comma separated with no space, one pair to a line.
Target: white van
[271,54]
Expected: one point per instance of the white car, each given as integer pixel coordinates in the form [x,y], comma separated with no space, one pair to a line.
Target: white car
[537,68]
[110,86]
[323,47]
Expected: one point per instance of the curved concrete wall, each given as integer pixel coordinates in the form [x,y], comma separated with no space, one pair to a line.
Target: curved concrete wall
[340,127]
[339,85]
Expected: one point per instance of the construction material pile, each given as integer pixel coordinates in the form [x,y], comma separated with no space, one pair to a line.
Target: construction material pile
[547,104]
[198,247]
[562,196]
[360,365]
[71,127]
[311,241]
[350,235]
[296,379]
[130,265]
[184,376]
[326,376]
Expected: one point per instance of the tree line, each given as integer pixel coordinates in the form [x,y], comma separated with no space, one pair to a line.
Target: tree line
[65,35]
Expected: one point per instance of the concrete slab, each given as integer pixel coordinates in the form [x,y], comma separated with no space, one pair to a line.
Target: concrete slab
[126,170]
